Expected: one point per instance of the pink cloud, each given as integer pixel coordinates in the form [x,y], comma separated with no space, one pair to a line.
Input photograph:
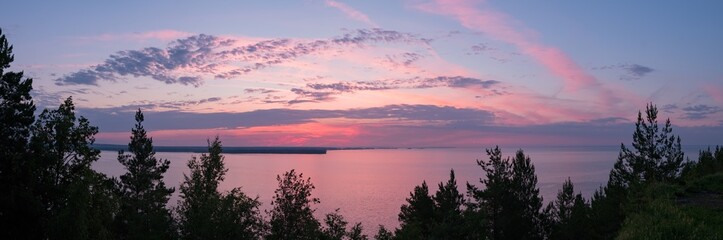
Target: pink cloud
[716,92]
[500,26]
[351,12]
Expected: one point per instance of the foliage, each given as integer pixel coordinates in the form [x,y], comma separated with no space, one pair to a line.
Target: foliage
[567,217]
[355,233]
[70,191]
[93,201]
[206,213]
[671,211]
[20,208]
[709,162]
[144,194]
[292,215]
[656,157]
[510,200]
[238,217]
[656,153]
[417,215]
[383,234]
[335,228]
[448,203]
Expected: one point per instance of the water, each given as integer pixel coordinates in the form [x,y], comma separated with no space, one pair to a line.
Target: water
[369,186]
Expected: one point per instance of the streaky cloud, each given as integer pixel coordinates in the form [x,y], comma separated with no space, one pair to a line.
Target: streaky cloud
[351,12]
[324,91]
[116,119]
[503,27]
[630,71]
[195,59]
[700,111]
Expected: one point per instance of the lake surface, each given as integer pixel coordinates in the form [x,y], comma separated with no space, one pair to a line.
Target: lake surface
[369,186]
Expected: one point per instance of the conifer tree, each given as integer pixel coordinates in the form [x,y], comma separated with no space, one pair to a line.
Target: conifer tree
[656,154]
[568,214]
[417,215]
[495,195]
[448,203]
[526,204]
[144,194]
[510,201]
[205,213]
[20,209]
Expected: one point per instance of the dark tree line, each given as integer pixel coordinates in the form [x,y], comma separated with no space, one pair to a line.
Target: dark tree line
[48,190]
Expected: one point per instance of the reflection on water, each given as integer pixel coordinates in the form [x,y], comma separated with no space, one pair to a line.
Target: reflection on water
[369,186]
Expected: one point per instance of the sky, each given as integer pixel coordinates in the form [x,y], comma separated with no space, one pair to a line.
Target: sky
[410,73]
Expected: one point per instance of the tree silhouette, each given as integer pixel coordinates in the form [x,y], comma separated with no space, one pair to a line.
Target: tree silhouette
[526,202]
[417,215]
[568,214]
[709,162]
[383,234]
[510,200]
[206,213]
[356,232]
[656,157]
[335,226]
[20,209]
[292,216]
[144,194]
[656,153]
[79,202]
[448,203]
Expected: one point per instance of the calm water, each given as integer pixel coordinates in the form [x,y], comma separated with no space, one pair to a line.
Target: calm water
[369,186]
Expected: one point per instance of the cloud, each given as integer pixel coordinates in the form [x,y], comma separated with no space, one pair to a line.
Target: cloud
[503,27]
[669,108]
[159,64]
[630,71]
[46,99]
[86,77]
[351,12]
[192,60]
[118,118]
[700,111]
[404,59]
[399,125]
[259,90]
[413,83]
[637,70]
[480,49]
[491,52]
[310,96]
[715,91]
[324,91]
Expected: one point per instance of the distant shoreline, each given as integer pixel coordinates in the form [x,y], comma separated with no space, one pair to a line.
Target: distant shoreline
[323,150]
[240,150]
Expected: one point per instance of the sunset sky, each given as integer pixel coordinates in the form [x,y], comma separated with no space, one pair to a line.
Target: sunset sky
[412,73]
